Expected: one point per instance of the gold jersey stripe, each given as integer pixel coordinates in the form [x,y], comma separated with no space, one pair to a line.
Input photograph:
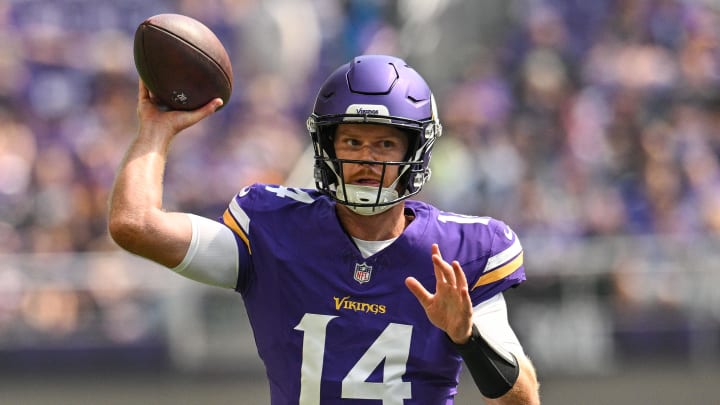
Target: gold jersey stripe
[500,272]
[232,223]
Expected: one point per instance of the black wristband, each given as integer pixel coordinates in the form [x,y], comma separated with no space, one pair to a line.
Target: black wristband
[494,373]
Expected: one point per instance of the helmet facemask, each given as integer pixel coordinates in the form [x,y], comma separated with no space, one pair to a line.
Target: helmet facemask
[413,170]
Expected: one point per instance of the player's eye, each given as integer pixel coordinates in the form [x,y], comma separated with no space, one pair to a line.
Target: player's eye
[352,142]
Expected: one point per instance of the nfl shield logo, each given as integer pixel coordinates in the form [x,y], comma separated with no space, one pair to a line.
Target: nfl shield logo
[362,272]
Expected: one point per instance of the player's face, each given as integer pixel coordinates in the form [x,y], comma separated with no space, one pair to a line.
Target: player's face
[378,143]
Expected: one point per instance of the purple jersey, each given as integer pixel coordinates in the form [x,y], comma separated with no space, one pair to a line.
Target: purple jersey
[335,328]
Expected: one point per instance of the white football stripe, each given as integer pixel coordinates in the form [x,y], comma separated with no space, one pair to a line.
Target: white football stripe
[502,257]
[240,216]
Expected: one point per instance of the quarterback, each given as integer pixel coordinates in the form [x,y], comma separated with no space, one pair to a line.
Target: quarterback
[356,294]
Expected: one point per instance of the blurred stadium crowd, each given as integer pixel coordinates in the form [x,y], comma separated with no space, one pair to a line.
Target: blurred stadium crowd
[561,117]
[583,119]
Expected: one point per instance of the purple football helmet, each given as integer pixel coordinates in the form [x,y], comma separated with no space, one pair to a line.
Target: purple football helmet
[374,89]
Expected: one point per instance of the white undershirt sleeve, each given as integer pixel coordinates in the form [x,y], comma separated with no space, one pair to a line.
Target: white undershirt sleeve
[491,319]
[212,257]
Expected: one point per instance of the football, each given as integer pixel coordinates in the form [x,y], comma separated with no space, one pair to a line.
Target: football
[182,62]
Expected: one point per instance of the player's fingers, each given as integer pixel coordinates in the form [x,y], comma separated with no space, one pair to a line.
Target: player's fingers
[423,296]
[436,257]
[145,96]
[443,270]
[189,118]
[215,104]
[460,279]
[435,249]
[143,92]
[208,108]
[145,104]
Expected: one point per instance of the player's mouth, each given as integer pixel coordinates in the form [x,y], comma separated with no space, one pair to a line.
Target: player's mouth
[366,182]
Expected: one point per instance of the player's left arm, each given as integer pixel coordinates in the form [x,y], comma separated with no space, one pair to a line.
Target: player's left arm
[509,379]
[525,391]
[491,320]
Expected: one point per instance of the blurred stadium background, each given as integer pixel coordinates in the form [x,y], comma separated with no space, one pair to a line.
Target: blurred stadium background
[591,127]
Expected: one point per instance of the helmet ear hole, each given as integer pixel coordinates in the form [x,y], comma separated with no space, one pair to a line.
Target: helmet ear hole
[325,178]
[326,139]
[327,169]
[414,140]
[419,179]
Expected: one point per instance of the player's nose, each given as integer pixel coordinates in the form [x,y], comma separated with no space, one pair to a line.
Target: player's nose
[367,152]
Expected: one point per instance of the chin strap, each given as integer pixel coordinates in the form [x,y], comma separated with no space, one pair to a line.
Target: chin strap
[367,195]
[370,202]
[494,369]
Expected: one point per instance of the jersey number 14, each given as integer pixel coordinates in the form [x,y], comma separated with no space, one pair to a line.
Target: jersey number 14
[392,347]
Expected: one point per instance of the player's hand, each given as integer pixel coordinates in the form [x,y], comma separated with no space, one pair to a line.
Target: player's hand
[159,120]
[450,308]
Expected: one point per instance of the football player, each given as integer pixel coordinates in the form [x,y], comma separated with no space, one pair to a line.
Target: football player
[356,294]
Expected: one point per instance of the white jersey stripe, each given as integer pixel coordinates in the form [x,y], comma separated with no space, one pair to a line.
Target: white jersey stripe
[240,216]
[502,257]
